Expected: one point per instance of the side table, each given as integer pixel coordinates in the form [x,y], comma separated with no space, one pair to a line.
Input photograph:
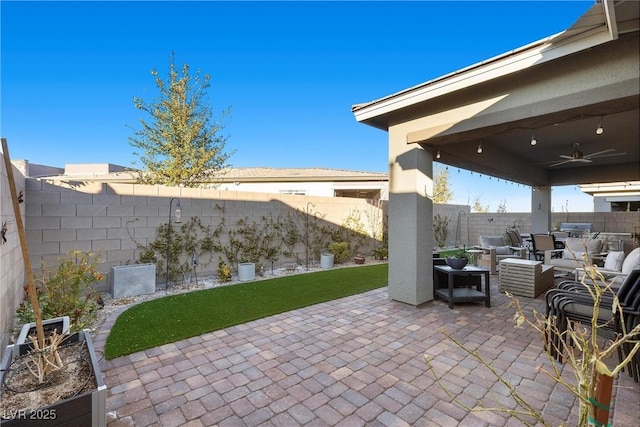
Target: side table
[463,294]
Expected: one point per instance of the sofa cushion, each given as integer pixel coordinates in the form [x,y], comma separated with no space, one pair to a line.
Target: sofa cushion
[614,261]
[502,250]
[564,263]
[568,254]
[631,261]
[577,244]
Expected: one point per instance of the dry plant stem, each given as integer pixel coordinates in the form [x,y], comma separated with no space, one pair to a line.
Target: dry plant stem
[44,360]
[28,272]
[582,350]
[528,410]
[581,347]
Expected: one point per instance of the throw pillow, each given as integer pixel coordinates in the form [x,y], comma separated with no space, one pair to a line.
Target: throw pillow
[594,246]
[631,261]
[614,261]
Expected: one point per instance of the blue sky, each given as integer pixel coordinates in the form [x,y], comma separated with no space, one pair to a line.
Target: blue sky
[289,71]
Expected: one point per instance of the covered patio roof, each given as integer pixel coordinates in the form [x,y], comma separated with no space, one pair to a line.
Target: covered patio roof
[557,91]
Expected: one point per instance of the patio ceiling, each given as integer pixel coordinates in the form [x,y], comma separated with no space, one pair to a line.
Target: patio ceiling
[558,89]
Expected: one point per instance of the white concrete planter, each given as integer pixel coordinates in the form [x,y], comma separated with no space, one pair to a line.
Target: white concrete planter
[326,260]
[246,271]
[132,280]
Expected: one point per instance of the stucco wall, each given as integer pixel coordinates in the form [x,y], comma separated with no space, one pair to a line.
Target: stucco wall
[12,276]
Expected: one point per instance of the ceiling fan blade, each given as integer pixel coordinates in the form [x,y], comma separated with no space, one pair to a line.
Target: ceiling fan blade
[583,160]
[608,155]
[565,157]
[560,163]
[587,156]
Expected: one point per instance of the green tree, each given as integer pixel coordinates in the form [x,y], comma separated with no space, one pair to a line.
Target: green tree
[179,145]
[477,206]
[441,190]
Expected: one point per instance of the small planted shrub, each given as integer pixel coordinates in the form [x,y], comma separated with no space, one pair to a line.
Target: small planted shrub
[380,253]
[224,271]
[340,251]
[440,229]
[67,290]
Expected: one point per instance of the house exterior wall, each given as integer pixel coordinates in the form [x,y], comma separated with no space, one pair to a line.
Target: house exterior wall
[311,188]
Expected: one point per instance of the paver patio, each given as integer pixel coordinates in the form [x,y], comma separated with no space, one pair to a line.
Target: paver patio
[351,362]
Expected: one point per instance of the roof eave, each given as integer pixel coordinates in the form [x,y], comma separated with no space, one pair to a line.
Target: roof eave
[562,44]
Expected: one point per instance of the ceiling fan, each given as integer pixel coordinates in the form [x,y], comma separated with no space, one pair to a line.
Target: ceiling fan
[579,156]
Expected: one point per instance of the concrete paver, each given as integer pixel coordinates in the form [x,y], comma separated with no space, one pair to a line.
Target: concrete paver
[354,361]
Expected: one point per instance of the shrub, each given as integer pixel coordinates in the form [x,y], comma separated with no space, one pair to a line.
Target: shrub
[340,251]
[440,229]
[380,253]
[66,290]
[224,271]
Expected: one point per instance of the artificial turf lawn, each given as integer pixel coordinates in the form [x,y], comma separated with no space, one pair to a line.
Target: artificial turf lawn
[173,318]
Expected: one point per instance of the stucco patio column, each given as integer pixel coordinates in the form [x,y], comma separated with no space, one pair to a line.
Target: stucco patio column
[540,210]
[410,221]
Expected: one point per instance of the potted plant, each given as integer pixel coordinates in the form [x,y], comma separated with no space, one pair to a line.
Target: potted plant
[246,271]
[359,259]
[457,259]
[29,371]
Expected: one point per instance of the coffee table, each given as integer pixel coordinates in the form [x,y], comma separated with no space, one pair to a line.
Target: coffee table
[461,294]
[524,277]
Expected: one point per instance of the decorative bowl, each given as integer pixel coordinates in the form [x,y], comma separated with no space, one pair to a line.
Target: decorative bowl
[456,263]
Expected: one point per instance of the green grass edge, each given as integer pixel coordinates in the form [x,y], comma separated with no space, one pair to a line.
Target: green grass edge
[176,317]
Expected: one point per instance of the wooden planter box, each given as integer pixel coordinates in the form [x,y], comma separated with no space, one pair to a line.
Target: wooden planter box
[87,409]
[60,324]
[524,278]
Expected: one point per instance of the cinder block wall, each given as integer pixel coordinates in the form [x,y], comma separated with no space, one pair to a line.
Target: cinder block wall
[495,224]
[114,220]
[458,216]
[12,276]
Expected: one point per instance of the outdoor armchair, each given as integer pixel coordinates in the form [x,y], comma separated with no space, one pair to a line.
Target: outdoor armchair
[543,243]
[494,249]
[572,302]
[514,239]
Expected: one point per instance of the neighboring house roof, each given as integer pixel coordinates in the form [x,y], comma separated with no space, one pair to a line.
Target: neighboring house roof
[614,189]
[115,173]
[299,174]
